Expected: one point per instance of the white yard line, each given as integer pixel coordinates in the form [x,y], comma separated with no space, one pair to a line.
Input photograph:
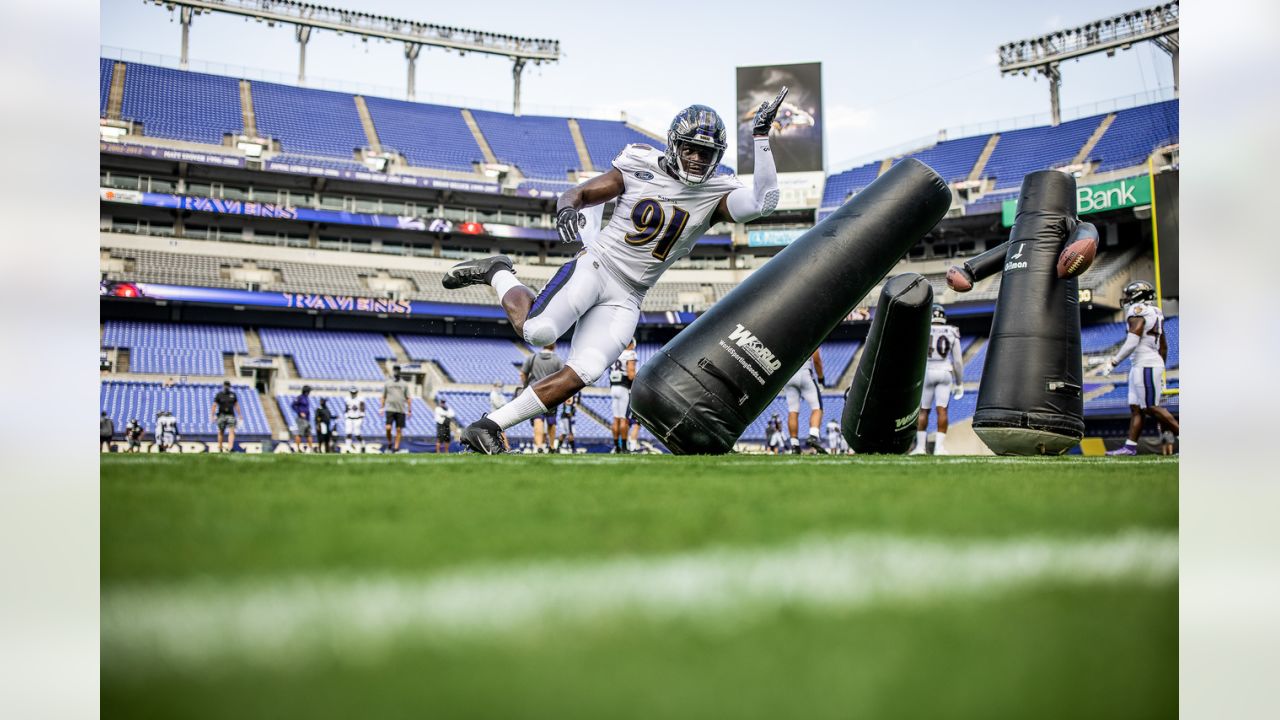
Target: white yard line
[292,622]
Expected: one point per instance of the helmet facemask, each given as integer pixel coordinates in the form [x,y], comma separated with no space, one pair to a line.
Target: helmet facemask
[696,128]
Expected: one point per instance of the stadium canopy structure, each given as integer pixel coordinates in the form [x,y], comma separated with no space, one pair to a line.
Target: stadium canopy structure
[1043,54]
[306,17]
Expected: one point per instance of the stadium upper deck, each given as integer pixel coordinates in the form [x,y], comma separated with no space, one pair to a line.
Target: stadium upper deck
[328,133]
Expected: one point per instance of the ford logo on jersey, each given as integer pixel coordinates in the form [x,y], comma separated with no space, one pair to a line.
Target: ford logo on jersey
[644,174]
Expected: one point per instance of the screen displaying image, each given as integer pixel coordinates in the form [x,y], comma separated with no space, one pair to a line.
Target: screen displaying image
[796,140]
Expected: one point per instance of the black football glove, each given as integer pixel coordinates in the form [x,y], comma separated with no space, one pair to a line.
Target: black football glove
[568,221]
[765,115]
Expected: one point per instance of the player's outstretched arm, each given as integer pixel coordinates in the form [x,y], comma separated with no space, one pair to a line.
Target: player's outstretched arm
[747,204]
[599,189]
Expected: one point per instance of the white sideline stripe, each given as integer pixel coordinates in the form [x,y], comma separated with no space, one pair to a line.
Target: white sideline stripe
[301,620]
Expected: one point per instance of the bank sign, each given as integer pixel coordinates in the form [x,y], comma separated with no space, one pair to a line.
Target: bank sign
[1129,192]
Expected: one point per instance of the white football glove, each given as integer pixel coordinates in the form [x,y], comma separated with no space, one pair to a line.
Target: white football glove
[1107,366]
[957,392]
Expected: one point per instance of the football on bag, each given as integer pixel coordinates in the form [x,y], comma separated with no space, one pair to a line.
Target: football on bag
[1077,256]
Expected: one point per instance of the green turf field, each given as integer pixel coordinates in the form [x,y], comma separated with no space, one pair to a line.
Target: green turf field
[638,587]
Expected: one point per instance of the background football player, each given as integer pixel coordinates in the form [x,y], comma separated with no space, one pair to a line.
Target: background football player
[1146,342]
[807,384]
[943,375]
[773,431]
[353,426]
[665,201]
[621,375]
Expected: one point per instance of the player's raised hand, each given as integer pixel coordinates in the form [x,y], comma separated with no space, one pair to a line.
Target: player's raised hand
[568,221]
[765,115]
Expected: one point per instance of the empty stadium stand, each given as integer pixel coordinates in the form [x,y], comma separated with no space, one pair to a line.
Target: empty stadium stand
[172,348]
[606,138]
[953,159]
[181,105]
[426,135]
[1135,133]
[330,354]
[540,146]
[312,122]
[190,404]
[105,68]
[1022,151]
[1132,136]
[477,361]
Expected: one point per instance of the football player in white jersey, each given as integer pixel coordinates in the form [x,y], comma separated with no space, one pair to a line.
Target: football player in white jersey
[943,375]
[353,427]
[665,201]
[807,384]
[621,375]
[1146,342]
[836,444]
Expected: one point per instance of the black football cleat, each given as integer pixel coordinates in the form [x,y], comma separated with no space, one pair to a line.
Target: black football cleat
[475,272]
[484,436]
[816,445]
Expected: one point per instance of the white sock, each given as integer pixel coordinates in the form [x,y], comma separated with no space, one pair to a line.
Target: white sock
[524,406]
[794,441]
[504,280]
[939,438]
[922,437]
[813,432]
[1130,443]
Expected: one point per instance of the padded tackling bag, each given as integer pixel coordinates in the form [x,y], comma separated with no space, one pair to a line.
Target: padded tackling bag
[883,403]
[1029,402]
[701,390]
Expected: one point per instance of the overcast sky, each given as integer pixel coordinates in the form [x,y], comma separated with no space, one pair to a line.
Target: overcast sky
[893,72]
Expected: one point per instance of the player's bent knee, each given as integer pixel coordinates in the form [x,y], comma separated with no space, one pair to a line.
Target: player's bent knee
[539,332]
[589,365]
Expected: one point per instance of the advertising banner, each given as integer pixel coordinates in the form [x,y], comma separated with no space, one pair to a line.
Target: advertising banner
[771,238]
[1129,192]
[333,217]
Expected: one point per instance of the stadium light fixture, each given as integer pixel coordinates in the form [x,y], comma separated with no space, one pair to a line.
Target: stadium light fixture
[519,50]
[1044,54]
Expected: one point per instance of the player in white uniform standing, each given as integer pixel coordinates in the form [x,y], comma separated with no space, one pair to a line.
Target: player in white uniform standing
[807,384]
[836,444]
[943,375]
[621,376]
[665,202]
[353,424]
[1146,342]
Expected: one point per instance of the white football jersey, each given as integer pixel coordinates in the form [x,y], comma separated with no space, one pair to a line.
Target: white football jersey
[1147,354]
[943,341]
[657,218]
[618,371]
